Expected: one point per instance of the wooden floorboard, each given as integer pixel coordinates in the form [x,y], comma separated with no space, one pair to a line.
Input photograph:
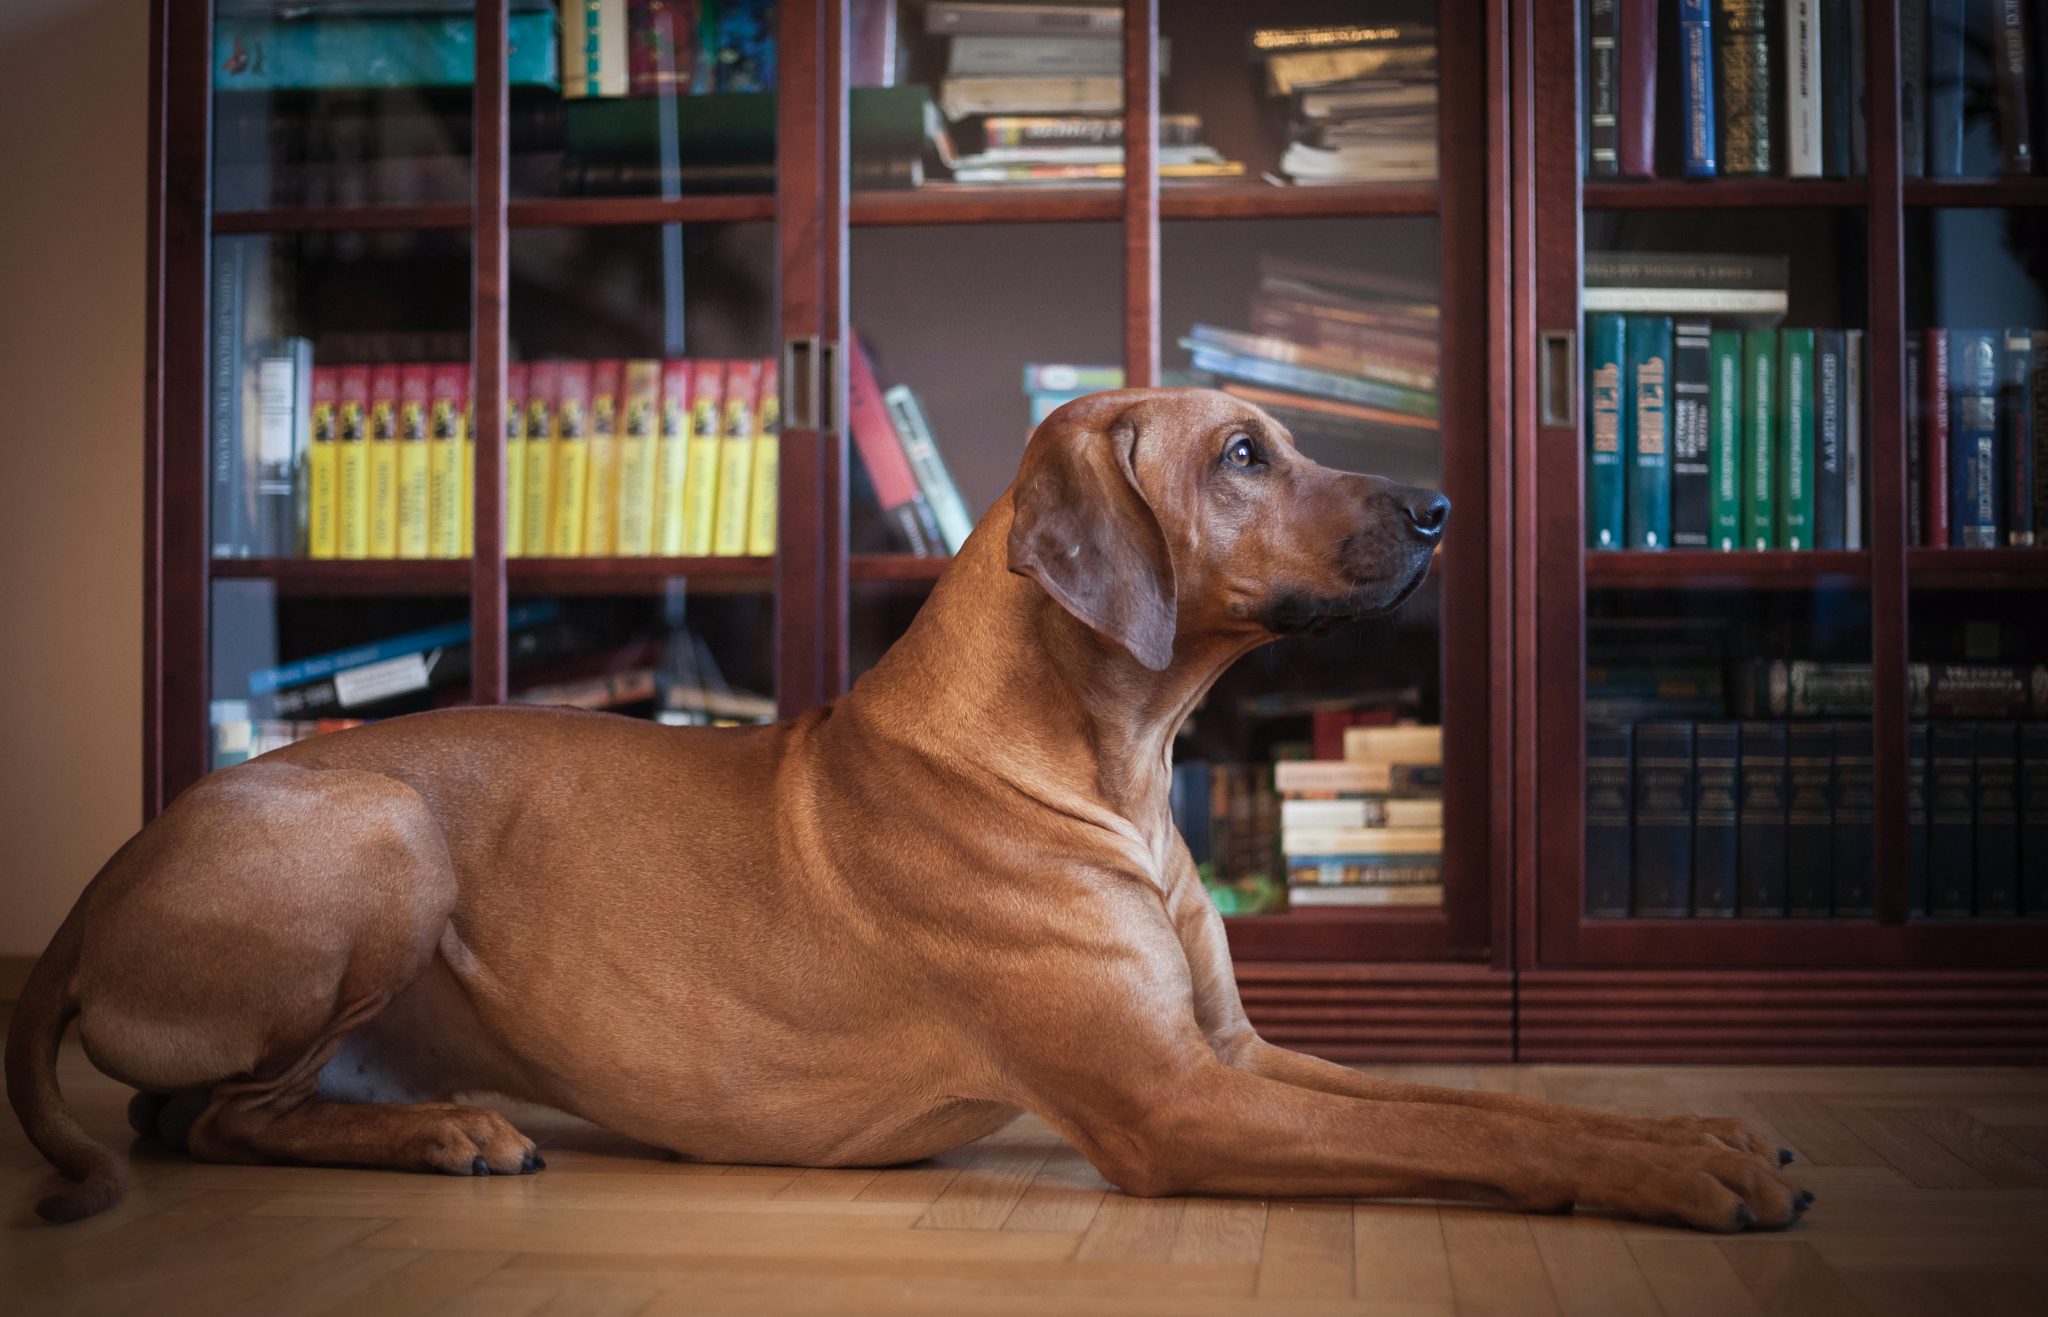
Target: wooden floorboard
[1932,1184]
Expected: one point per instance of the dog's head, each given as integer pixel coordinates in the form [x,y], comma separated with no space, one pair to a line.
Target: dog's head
[1164,515]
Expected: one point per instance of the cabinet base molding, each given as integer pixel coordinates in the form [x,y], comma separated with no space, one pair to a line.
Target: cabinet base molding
[1351,1012]
[1784,1017]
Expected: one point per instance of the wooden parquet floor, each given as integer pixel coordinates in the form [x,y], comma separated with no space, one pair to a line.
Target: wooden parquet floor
[1932,1185]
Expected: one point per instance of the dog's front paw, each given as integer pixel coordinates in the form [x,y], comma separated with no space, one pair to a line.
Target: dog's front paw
[459,1140]
[1718,1189]
[1725,1132]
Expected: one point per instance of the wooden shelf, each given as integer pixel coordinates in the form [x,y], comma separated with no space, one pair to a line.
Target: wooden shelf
[1266,201]
[328,577]
[309,577]
[343,219]
[1975,192]
[1978,569]
[1700,569]
[1730,193]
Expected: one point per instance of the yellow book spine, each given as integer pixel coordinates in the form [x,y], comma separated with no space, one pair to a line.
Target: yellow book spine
[637,442]
[323,475]
[540,483]
[383,498]
[735,464]
[468,483]
[766,480]
[601,485]
[671,460]
[414,501]
[700,482]
[353,467]
[444,496]
[572,463]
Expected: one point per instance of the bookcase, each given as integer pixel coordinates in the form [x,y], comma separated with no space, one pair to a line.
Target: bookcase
[480,225]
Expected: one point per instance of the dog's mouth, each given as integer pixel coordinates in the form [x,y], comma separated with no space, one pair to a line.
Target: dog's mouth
[1298,613]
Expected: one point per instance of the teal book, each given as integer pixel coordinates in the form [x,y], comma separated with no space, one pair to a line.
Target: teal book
[1649,451]
[1724,440]
[1759,438]
[1795,439]
[1607,428]
[350,51]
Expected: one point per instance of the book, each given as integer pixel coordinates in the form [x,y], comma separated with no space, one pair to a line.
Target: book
[1405,744]
[1802,99]
[1916,440]
[1810,820]
[383,455]
[961,97]
[1691,427]
[700,478]
[639,444]
[2033,818]
[415,385]
[352,463]
[882,454]
[1807,688]
[1006,17]
[1724,439]
[1608,425]
[1855,858]
[1744,69]
[1934,448]
[736,458]
[664,53]
[1635,96]
[2011,74]
[1917,860]
[1331,358]
[446,489]
[322,477]
[1060,55]
[1973,439]
[1852,439]
[1951,818]
[354,52]
[284,418]
[1947,39]
[1760,820]
[1362,812]
[673,460]
[1760,439]
[2016,437]
[466,500]
[601,483]
[908,418]
[1609,810]
[319,667]
[1859,91]
[594,49]
[1336,779]
[1837,109]
[570,484]
[1696,54]
[1421,894]
[1293,71]
[1361,841]
[1716,752]
[1661,870]
[1311,380]
[1830,474]
[543,389]
[1998,820]
[1649,452]
[2037,429]
[766,479]
[1029,130]
[1912,16]
[1794,494]
[1603,158]
[228,489]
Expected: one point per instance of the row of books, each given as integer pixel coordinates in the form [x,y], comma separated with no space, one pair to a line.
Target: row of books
[1367,829]
[667,47]
[1754,688]
[1706,438]
[1361,100]
[265,46]
[1977,437]
[1230,819]
[1774,819]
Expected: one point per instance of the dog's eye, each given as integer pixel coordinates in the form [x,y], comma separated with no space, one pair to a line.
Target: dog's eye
[1241,452]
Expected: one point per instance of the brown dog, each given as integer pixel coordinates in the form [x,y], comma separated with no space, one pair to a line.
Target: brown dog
[860,937]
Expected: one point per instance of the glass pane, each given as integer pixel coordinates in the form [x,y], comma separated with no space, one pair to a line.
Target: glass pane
[679,650]
[356,105]
[667,98]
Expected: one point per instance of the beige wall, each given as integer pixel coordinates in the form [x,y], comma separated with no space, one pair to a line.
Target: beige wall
[74,85]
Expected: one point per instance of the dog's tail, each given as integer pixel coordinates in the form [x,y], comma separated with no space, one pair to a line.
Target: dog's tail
[46,1007]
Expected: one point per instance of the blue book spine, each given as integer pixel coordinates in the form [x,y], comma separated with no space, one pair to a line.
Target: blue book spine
[1607,428]
[1649,469]
[1716,750]
[1810,820]
[1609,811]
[1945,88]
[1973,438]
[2034,818]
[1855,817]
[1951,818]
[1836,108]
[265,681]
[1998,819]
[1830,474]
[1916,819]
[334,51]
[2016,436]
[1307,379]
[1662,867]
[1760,822]
[1696,48]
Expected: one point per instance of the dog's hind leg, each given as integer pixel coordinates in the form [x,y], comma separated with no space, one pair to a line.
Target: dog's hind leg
[230,950]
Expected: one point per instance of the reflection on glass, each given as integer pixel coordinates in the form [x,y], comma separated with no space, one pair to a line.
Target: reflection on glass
[681,656]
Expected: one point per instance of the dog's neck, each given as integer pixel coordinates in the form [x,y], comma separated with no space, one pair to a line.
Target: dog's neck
[992,666]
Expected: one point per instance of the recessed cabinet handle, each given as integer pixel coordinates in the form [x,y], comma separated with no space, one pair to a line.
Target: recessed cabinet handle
[828,387]
[800,383]
[1557,369]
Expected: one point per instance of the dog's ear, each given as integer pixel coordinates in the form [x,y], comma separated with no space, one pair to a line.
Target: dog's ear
[1084,531]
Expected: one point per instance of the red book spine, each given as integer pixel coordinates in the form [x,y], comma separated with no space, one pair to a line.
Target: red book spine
[1934,433]
[1636,72]
[880,451]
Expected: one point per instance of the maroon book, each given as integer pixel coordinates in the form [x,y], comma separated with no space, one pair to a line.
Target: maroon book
[1635,73]
[1934,436]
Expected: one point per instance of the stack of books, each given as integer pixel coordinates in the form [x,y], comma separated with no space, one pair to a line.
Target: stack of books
[1052,386]
[1036,95]
[1363,100]
[1329,349]
[1977,437]
[900,464]
[636,48]
[1365,830]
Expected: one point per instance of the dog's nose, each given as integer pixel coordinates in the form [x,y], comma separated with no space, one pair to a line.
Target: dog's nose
[1426,512]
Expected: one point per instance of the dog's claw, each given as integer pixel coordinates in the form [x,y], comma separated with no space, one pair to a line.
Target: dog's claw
[478,1166]
[529,1163]
[1805,1199]
[1786,1157]
[1745,1218]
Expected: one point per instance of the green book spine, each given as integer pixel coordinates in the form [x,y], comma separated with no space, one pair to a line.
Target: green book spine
[1759,434]
[1795,439]
[1724,440]
[1649,467]
[1607,428]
